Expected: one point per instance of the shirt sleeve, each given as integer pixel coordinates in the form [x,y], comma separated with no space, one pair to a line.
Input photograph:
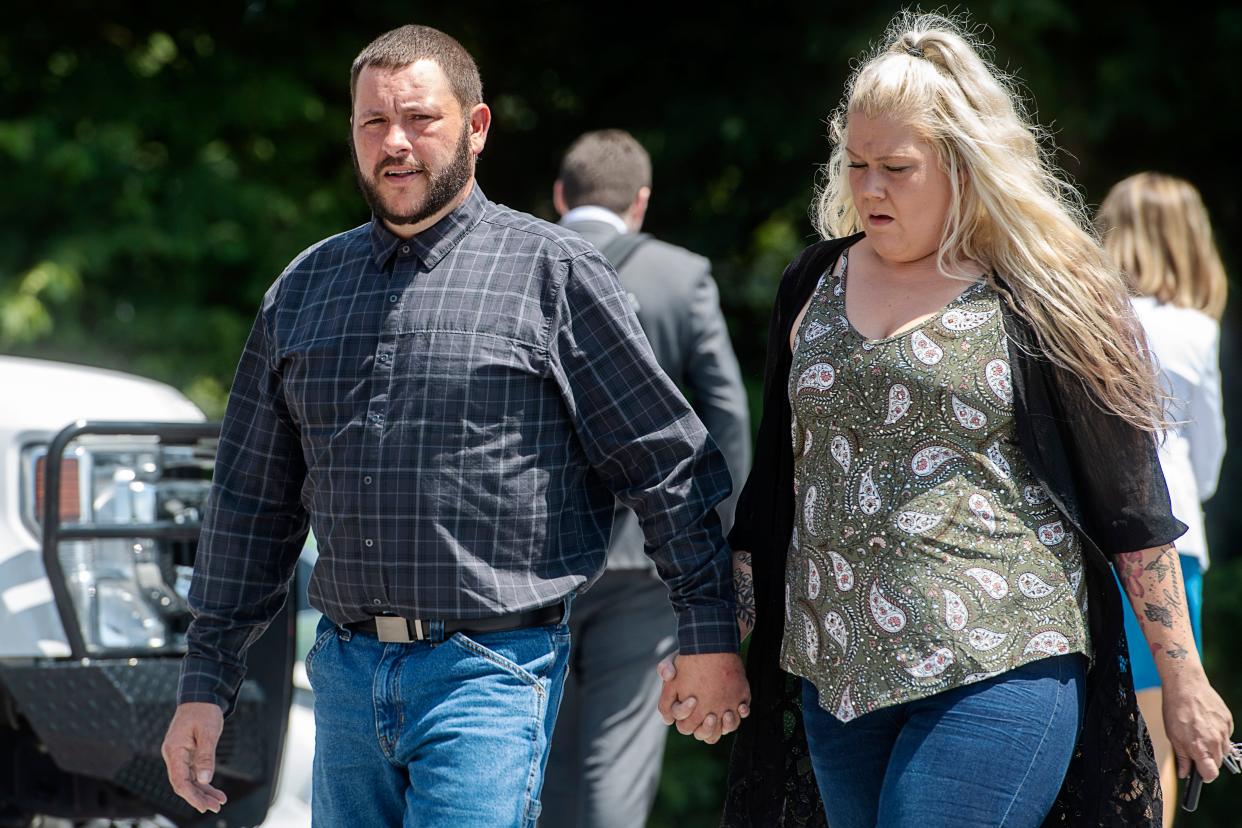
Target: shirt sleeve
[1121,488]
[253,530]
[644,441]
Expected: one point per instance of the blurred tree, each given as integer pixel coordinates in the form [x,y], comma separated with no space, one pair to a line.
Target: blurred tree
[161,165]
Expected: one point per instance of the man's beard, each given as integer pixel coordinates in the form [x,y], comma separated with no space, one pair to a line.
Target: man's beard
[442,185]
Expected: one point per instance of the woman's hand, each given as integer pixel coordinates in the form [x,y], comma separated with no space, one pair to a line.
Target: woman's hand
[1198,724]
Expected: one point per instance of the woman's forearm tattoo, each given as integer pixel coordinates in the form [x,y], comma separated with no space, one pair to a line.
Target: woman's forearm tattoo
[1160,567]
[1130,573]
[1159,613]
[1155,587]
[744,591]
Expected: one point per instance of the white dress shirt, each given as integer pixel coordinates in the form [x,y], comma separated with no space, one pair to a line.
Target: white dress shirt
[1186,344]
[593,212]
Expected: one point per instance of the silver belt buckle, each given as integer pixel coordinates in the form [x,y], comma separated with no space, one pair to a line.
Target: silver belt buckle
[393,630]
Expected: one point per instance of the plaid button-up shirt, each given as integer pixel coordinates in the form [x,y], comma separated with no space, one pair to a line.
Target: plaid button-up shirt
[452,415]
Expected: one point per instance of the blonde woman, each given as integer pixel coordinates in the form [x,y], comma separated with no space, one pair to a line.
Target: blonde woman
[956,448]
[1156,230]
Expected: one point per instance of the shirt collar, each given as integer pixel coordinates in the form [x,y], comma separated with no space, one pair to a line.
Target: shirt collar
[593,212]
[434,243]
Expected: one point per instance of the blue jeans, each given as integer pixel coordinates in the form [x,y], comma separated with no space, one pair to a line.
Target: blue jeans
[417,734]
[992,753]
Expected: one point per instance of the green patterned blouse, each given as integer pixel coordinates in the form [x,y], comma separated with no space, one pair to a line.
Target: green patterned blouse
[925,554]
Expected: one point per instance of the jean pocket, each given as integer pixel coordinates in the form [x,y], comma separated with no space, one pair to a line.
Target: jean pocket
[326,633]
[526,654]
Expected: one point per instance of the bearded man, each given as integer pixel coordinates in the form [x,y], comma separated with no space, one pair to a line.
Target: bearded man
[450,396]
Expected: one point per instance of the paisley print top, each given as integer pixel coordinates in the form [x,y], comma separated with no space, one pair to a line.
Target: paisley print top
[925,555]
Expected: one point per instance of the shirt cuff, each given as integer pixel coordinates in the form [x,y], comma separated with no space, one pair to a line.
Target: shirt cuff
[702,630]
[204,680]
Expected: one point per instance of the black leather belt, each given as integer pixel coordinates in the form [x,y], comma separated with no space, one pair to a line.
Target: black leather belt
[394,629]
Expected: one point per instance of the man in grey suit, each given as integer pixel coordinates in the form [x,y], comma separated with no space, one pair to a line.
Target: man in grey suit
[604,766]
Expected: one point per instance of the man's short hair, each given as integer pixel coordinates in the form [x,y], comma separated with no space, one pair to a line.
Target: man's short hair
[606,168]
[408,45]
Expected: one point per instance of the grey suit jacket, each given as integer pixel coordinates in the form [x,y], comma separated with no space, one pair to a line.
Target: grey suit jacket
[678,307]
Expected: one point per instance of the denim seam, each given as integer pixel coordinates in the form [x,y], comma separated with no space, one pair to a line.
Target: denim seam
[505,664]
[377,705]
[536,757]
[541,711]
[1042,740]
[320,642]
[395,684]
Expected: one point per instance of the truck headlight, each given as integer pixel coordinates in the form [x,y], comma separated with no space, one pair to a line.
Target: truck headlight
[129,592]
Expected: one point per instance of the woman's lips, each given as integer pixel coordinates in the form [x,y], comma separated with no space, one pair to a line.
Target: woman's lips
[879,220]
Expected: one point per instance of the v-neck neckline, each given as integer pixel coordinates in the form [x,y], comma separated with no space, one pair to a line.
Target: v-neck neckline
[841,278]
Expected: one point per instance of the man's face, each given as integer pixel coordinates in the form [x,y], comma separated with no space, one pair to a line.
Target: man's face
[413,146]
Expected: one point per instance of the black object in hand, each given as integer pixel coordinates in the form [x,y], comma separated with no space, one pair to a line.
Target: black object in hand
[1194,787]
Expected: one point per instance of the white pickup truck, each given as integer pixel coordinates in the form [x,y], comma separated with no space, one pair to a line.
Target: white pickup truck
[103,476]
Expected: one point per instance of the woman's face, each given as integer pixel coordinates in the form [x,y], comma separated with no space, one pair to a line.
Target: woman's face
[899,189]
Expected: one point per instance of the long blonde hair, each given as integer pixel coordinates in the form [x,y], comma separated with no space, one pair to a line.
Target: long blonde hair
[1011,210]
[1156,229]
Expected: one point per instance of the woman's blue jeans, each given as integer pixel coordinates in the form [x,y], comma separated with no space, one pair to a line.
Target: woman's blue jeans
[990,754]
[450,734]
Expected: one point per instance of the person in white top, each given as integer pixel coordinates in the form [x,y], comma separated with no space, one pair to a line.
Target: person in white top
[1157,230]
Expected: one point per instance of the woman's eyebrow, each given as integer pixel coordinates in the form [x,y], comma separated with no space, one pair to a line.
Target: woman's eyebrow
[899,154]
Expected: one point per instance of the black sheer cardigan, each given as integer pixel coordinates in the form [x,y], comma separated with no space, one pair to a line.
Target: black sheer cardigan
[1103,475]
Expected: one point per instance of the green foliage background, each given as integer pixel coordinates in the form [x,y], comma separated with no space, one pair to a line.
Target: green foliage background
[160,164]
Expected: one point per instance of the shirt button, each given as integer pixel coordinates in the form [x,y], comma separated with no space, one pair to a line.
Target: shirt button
[367,480]
[384,357]
[369,542]
[377,417]
[405,248]
[392,297]
[377,602]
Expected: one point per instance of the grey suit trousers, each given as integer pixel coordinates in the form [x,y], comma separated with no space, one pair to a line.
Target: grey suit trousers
[609,740]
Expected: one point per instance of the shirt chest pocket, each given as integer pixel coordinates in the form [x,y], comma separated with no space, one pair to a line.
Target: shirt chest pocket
[479,382]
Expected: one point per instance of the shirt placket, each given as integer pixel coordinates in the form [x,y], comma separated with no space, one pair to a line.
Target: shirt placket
[375,545]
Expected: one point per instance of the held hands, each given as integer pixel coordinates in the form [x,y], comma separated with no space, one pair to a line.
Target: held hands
[706,695]
[190,754]
[1198,724]
[686,680]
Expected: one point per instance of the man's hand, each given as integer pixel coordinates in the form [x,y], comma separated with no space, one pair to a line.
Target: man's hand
[706,695]
[190,754]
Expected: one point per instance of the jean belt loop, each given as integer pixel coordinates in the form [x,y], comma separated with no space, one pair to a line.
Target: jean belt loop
[344,633]
[436,634]
[568,600]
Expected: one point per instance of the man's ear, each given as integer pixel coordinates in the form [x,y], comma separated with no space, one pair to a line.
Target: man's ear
[558,197]
[480,123]
[637,211]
